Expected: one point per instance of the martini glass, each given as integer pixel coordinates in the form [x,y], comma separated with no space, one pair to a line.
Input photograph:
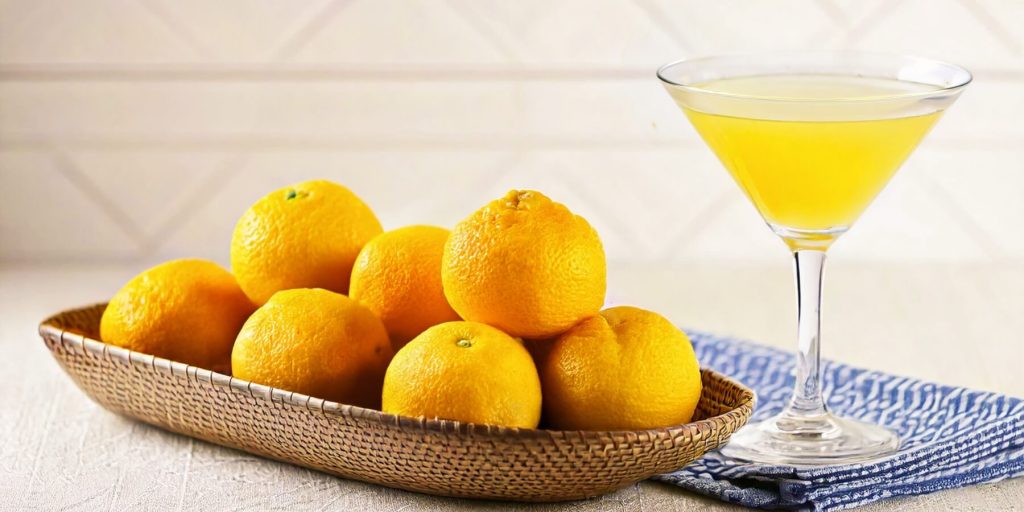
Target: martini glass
[812,138]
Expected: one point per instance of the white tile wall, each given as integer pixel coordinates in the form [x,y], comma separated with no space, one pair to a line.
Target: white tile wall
[141,130]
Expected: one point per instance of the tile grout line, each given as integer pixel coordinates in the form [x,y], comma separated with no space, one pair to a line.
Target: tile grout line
[995,28]
[66,167]
[455,142]
[963,218]
[309,17]
[858,31]
[660,19]
[697,223]
[615,222]
[228,168]
[292,45]
[478,23]
[334,72]
[822,37]
[283,71]
[834,12]
[179,30]
[382,143]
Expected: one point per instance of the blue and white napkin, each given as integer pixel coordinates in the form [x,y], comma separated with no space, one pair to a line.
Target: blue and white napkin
[950,436]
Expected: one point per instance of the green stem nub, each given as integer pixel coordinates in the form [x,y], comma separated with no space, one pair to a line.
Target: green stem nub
[464,343]
[292,194]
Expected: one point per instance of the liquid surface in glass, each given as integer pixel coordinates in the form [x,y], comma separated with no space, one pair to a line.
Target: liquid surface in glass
[819,166]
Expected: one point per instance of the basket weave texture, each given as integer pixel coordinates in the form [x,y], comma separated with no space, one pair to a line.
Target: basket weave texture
[441,457]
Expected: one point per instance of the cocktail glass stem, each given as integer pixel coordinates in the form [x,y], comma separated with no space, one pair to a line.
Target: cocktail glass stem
[805,432]
[807,398]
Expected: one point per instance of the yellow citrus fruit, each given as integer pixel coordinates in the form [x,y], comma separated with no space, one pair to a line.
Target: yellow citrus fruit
[398,276]
[464,371]
[183,310]
[525,265]
[303,236]
[315,342]
[625,369]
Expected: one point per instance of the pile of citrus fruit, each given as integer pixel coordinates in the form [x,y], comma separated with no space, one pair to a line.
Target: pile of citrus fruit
[497,321]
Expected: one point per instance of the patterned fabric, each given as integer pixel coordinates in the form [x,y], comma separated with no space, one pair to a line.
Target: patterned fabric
[950,436]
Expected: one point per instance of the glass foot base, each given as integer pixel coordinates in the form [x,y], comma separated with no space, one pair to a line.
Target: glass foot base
[811,441]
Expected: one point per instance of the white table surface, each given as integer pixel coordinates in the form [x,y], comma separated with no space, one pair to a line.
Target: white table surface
[955,324]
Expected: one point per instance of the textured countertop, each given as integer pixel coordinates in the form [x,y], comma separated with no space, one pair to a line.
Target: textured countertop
[956,324]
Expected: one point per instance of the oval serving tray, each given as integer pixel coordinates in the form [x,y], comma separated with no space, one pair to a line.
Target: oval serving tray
[441,457]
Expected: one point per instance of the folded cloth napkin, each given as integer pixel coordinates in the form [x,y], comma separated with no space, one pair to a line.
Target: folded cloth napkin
[950,436]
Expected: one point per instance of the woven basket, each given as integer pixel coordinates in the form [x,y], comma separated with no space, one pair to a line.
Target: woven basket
[440,457]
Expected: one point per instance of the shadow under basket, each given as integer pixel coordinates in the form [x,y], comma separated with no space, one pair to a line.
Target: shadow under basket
[447,458]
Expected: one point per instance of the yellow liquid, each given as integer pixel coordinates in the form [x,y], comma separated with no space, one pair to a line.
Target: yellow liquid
[807,171]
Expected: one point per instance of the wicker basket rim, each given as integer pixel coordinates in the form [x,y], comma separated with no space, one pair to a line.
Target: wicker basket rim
[51,333]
